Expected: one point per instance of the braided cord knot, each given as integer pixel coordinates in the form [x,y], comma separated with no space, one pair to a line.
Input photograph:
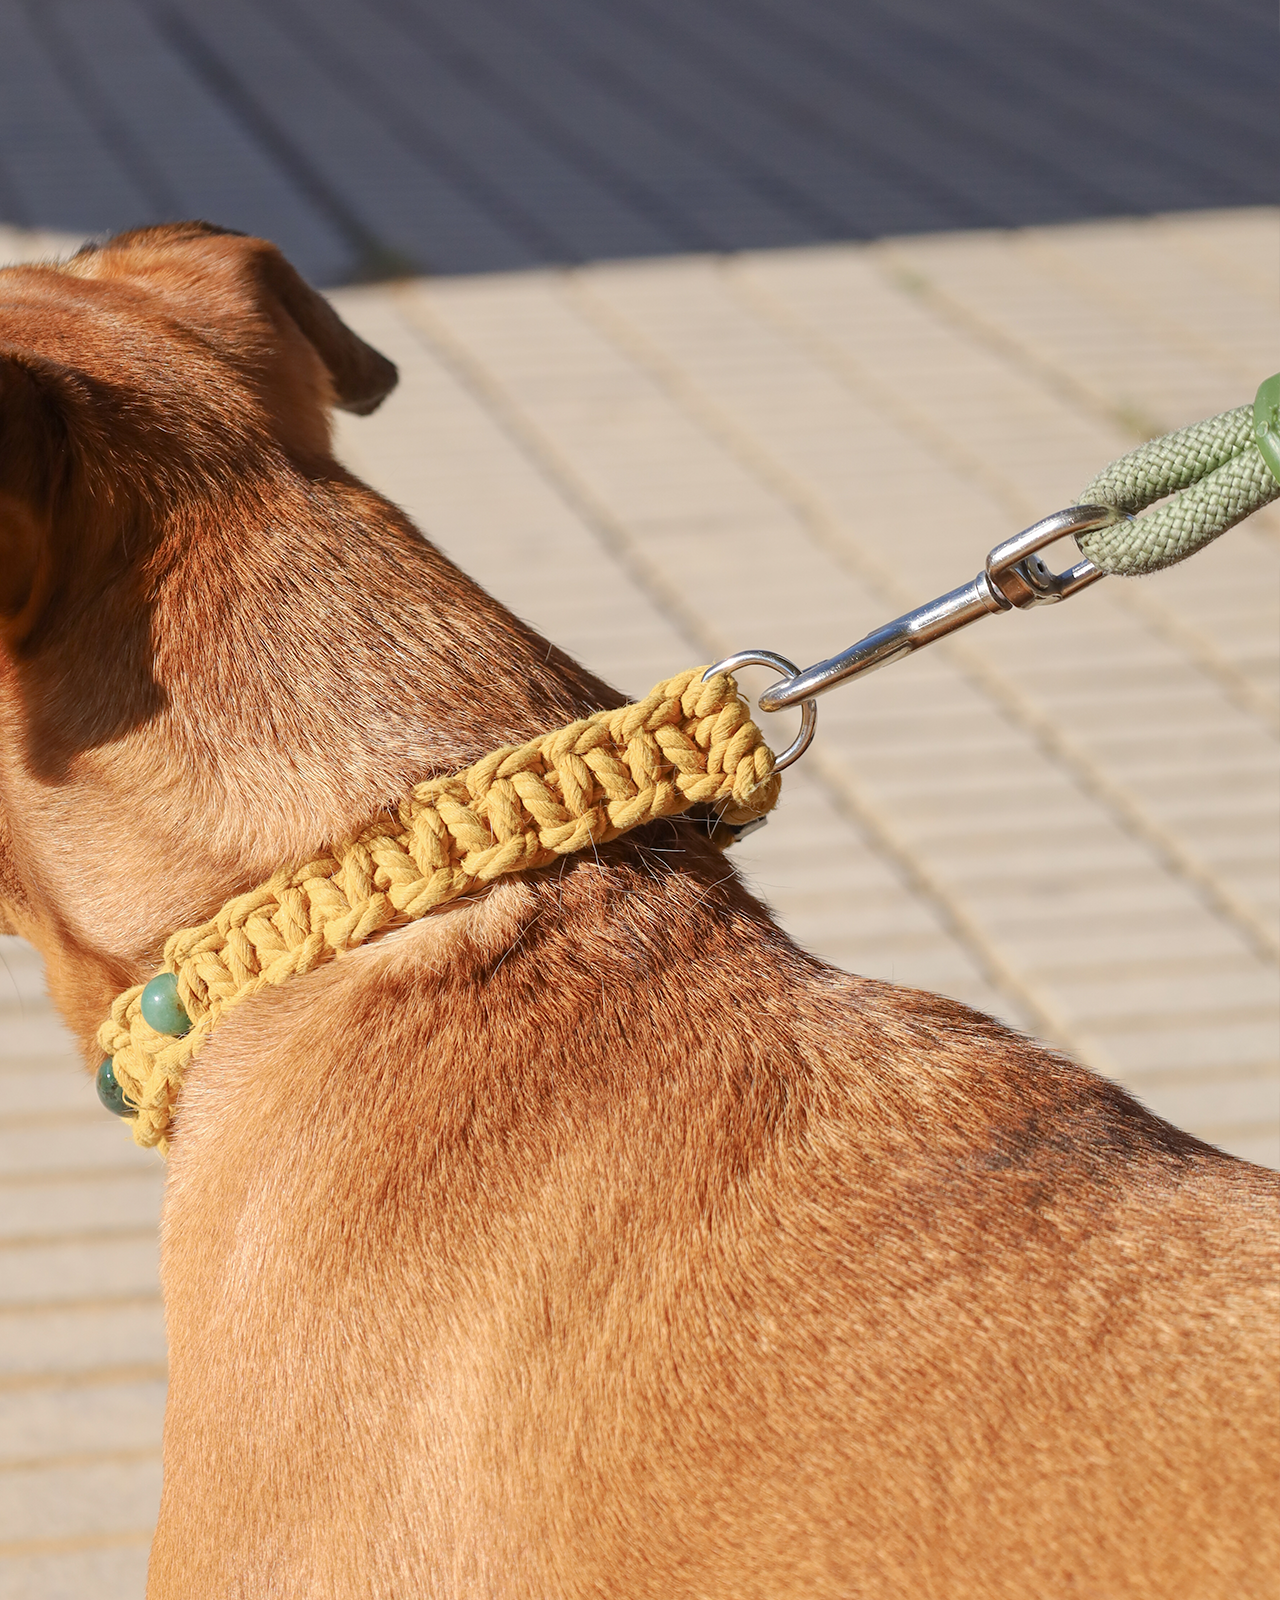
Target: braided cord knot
[687,743]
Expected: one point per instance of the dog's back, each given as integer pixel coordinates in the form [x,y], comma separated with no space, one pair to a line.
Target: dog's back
[654,1258]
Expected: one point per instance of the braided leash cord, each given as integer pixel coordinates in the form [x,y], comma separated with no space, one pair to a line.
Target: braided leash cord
[1216,474]
[687,743]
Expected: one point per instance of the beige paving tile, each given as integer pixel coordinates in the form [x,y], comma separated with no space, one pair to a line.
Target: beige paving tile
[42,1425]
[34,1033]
[1046,897]
[54,1086]
[21,979]
[1185,298]
[1206,990]
[82,1347]
[1068,944]
[56,1207]
[1241,247]
[1261,1145]
[37,244]
[1225,1103]
[1050,296]
[42,1504]
[1222,1046]
[119,1570]
[55,1346]
[101,1269]
[37,1148]
[960,400]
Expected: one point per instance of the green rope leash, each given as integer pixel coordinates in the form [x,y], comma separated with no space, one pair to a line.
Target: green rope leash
[1218,473]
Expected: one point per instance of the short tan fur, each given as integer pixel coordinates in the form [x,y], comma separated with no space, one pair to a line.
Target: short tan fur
[587,1238]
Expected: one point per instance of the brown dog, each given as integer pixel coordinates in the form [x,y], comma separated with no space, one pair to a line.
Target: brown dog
[587,1238]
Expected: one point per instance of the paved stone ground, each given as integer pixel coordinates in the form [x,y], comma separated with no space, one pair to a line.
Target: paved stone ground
[1067,818]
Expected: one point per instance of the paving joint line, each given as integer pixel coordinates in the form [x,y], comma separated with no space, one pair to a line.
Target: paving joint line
[72,1175]
[91,1303]
[1132,816]
[43,1241]
[1260,1070]
[86,1378]
[1219,1132]
[1169,627]
[1141,1022]
[849,799]
[80,1458]
[59,1175]
[41,1061]
[1019,709]
[73,1544]
[915,424]
[73,1117]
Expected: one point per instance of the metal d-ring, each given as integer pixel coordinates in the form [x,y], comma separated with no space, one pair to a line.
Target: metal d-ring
[788,669]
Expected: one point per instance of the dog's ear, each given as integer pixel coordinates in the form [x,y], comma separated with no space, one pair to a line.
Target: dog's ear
[362,377]
[34,459]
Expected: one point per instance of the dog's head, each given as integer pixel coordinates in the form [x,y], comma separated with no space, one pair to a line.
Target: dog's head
[219,651]
[162,361]
[160,394]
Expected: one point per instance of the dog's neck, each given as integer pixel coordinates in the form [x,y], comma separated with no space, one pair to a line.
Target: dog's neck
[328,669]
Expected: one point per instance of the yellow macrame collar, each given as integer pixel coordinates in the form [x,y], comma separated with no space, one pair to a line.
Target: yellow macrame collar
[687,743]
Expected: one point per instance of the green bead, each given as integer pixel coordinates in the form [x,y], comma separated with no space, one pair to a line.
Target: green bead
[1266,423]
[110,1092]
[162,1009]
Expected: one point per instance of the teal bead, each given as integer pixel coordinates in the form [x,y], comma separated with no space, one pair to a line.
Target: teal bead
[110,1092]
[162,1009]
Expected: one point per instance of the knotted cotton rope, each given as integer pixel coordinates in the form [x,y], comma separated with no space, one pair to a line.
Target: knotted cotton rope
[687,743]
[1216,475]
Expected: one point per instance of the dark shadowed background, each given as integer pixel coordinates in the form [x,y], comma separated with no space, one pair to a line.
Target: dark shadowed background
[377,137]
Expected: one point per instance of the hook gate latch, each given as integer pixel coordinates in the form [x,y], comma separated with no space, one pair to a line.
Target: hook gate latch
[1015,577]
